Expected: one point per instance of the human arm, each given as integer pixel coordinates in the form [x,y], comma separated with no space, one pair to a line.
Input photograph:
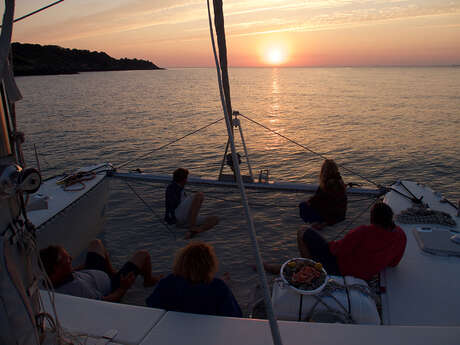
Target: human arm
[348,244]
[400,247]
[126,281]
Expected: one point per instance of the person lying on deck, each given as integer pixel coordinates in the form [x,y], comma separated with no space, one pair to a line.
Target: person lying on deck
[328,205]
[192,287]
[362,253]
[96,278]
[183,210]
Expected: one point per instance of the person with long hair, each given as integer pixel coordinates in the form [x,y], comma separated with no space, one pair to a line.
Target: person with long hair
[193,287]
[328,205]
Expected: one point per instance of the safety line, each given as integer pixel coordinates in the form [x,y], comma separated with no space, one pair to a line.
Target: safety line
[171,142]
[36,11]
[351,221]
[151,209]
[308,149]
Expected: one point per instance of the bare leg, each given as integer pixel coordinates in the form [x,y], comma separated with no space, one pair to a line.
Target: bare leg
[303,249]
[97,247]
[195,208]
[142,260]
[209,221]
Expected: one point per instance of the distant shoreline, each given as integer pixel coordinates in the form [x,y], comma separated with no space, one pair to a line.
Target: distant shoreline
[35,60]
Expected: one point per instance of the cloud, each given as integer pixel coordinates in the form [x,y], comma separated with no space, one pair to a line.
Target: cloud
[349,16]
[185,20]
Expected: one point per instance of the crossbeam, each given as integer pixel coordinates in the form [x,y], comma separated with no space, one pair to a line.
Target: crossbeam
[278,186]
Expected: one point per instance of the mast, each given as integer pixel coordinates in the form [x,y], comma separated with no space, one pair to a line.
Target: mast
[224,88]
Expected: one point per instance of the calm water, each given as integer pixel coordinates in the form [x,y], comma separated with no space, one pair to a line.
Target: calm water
[383,123]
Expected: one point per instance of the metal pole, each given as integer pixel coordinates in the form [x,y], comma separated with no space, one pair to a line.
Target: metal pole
[244,145]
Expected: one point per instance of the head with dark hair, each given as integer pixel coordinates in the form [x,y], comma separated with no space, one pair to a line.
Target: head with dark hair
[57,262]
[50,258]
[196,262]
[381,214]
[330,178]
[180,175]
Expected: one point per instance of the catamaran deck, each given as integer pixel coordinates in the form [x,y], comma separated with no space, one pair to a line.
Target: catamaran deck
[144,326]
[78,222]
[424,288]
[420,306]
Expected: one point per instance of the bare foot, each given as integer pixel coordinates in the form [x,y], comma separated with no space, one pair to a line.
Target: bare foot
[272,268]
[192,232]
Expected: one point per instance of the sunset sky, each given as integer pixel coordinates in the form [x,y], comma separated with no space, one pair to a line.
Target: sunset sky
[175,33]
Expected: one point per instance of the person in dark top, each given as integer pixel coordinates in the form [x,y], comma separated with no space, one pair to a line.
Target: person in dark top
[328,205]
[184,210]
[362,253]
[192,287]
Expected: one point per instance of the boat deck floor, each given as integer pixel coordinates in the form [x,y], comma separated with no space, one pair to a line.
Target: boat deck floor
[424,288]
[144,326]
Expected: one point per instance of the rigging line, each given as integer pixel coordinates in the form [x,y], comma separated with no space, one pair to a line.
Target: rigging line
[171,142]
[308,149]
[36,11]
[348,226]
[415,199]
[219,24]
[151,209]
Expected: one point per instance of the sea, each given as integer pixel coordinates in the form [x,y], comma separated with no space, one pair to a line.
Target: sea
[379,124]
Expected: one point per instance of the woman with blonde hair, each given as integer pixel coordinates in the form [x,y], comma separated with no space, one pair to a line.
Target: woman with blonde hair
[193,287]
[329,203]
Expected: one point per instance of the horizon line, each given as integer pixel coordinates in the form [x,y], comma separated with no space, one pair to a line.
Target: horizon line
[325,66]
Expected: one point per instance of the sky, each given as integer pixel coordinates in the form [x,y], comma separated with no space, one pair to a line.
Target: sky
[175,33]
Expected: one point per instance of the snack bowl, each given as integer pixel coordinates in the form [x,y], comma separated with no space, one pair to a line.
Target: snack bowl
[304,276]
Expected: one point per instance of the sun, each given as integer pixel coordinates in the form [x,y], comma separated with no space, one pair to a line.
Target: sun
[275,56]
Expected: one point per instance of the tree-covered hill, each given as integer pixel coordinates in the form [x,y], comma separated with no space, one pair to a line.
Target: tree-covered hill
[35,59]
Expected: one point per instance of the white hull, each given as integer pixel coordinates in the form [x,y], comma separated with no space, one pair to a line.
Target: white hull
[140,325]
[72,219]
[424,288]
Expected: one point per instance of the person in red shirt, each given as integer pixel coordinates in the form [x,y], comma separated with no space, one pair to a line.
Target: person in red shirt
[363,252]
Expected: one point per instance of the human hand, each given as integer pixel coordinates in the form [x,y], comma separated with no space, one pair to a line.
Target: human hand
[318,226]
[226,277]
[126,281]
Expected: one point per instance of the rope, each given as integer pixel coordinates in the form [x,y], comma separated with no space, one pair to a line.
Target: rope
[219,22]
[309,150]
[151,209]
[77,178]
[170,143]
[348,225]
[36,11]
